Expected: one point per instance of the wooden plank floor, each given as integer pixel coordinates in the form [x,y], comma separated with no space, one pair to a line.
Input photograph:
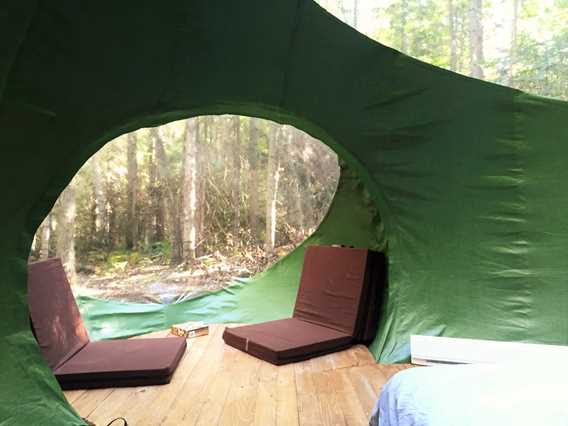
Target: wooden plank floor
[216,384]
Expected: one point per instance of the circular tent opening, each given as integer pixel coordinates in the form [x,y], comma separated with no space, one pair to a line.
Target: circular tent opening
[167,213]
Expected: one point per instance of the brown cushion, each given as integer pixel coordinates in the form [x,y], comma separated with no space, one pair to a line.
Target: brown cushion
[337,305]
[122,363]
[55,316]
[375,288]
[79,363]
[288,340]
[331,287]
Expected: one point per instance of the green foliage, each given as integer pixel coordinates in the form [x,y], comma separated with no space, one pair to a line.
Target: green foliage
[546,76]
[536,63]
[158,251]
[122,259]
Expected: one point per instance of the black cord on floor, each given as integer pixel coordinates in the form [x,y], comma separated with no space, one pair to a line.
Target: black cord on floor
[118,418]
[89,423]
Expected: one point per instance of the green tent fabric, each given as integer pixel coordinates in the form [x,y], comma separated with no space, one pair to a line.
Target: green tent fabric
[465,177]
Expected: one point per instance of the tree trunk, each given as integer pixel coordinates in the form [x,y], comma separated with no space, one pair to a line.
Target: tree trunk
[513,48]
[204,172]
[273,179]
[300,218]
[101,214]
[462,40]
[190,190]
[156,191]
[34,252]
[453,36]
[311,160]
[296,162]
[169,205]
[355,13]
[403,21]
[253,178]
[65,247]
[476,38]
[45,237]
[112,219]
[343,10]
[226,127]
[236,181]
[132,176]
[153,192]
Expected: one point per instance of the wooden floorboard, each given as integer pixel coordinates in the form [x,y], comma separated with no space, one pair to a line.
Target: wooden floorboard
[216,384]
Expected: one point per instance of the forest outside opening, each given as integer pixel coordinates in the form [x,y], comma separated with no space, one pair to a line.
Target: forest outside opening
[174,211]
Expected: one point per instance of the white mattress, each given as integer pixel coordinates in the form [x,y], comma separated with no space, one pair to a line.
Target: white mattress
[466,395]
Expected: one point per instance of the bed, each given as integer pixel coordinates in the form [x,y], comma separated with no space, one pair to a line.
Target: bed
[501,394]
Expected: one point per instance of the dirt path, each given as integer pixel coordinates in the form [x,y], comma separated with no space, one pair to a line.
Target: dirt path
[167,284]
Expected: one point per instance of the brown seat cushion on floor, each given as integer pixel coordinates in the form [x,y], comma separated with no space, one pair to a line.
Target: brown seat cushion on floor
[337,305]
[79,363]
[287,340]
[122,363]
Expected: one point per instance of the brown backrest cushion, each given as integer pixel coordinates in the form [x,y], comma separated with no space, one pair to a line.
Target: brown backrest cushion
[376,283]
[331,287]
[55,316]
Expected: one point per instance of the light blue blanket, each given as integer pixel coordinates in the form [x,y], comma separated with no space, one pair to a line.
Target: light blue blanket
[467,395]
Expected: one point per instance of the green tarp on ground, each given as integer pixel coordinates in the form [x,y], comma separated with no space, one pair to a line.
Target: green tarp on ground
[467,177]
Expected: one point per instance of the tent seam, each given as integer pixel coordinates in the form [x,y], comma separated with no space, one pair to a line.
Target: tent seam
[32,18]
[518,132]
[291,48]
[175,47]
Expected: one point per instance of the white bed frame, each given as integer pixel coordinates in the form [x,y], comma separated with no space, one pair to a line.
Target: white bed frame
[430,350]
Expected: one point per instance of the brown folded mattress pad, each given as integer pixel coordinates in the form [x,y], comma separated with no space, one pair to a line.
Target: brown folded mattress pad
[287,340]
[337,305]
[79,363]
[122,363]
